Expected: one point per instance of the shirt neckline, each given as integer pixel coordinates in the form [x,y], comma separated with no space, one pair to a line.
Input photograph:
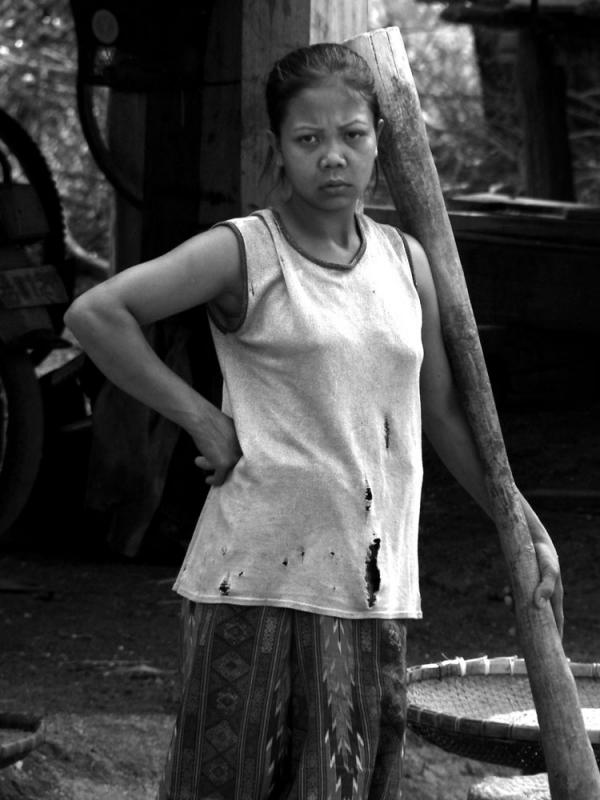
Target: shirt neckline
[321,262]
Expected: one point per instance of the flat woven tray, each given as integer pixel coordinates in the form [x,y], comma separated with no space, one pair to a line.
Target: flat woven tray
[19,735]
[482,708]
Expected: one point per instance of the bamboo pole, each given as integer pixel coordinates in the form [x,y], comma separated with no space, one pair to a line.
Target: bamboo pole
[413,181]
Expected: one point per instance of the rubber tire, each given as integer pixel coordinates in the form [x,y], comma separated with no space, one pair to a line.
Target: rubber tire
[21,436]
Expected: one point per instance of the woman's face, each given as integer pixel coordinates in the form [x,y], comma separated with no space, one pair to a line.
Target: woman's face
[327,145]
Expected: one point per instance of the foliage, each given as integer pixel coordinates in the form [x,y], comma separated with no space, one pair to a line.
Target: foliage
[38,66]
[469,157]
[466,83]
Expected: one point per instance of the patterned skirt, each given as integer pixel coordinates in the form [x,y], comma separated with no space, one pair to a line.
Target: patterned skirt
[289,705]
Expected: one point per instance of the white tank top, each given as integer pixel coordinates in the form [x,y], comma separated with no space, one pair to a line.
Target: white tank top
[321,378]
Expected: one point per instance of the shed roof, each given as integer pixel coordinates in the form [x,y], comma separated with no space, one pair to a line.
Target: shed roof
[582,16]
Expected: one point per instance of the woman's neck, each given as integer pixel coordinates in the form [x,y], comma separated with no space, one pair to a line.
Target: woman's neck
[333,237]
[329,229]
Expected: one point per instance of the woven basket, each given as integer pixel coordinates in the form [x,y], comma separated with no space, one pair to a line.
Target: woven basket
[19,735]
[457,704]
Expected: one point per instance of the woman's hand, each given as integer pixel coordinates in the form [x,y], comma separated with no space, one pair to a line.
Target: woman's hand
[550,587]
[220,448]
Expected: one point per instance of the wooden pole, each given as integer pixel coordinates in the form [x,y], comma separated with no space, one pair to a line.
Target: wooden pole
[413,181]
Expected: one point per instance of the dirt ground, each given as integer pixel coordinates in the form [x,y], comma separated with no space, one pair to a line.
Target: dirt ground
[90,641]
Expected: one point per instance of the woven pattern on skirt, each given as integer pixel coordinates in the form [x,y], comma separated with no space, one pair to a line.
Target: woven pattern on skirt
[284,704]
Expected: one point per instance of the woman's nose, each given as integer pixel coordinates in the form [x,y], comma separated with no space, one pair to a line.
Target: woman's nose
[332,158]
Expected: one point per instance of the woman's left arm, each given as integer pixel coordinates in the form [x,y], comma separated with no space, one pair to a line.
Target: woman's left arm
[446,427]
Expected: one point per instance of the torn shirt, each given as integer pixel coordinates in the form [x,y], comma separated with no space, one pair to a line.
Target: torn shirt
[321,378]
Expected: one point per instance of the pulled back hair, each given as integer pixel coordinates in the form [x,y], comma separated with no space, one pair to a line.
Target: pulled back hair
[308,66]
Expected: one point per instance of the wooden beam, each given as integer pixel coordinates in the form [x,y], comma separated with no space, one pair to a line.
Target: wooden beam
[219,151]
[269,31]
[126,127]
[542,99]
[414,184]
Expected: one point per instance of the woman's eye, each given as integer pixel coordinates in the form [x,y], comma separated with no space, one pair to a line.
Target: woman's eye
[308,138]
[354,135]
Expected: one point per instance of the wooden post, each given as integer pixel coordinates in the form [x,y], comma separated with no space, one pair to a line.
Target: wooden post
[220,131]
[126,128]
[411,175]
[183,146]
[269,30]
[543,107]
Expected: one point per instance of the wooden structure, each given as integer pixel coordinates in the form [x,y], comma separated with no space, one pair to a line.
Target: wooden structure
[531,267]
[194,154]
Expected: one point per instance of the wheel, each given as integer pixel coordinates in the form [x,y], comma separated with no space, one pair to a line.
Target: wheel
[21,434]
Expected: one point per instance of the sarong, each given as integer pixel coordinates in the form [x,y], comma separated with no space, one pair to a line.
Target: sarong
[284,704]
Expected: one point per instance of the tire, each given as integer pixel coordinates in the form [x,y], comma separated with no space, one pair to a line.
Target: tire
[21,434]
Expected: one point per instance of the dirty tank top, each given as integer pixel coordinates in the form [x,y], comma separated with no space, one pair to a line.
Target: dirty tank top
[321,378]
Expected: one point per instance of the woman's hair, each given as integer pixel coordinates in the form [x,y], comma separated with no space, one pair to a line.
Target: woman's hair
[308,66]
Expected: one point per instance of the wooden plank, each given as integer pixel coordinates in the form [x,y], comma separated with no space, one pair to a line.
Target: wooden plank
[543,109]
[411,175]
[334,21]
[126,126]
[219,151]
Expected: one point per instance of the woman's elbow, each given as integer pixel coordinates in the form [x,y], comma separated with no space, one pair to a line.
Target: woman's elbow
[89,311]
[77,313]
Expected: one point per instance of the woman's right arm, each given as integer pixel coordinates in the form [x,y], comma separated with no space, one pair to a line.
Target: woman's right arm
[107,321]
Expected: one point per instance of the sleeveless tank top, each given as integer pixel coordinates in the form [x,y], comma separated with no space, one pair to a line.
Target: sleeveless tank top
[321,378]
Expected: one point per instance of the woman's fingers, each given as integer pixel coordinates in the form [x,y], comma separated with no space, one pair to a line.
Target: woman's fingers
[202,462]
[219,474]
[550,587]
[218,477]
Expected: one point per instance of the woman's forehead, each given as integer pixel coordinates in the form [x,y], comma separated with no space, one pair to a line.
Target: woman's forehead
[329,99]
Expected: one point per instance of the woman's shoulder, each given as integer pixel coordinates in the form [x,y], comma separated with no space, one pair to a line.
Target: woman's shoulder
[407,247]
[255,230]
[391,234]
[253,220]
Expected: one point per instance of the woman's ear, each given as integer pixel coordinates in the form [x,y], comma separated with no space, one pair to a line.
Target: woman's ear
[379,128]
[275,149]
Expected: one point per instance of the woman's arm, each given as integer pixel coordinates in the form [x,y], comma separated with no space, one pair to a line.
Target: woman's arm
[107,321]
[446,427]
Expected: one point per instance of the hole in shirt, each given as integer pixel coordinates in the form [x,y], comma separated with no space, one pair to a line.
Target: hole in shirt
[372,573]
[368,497]
[386,432]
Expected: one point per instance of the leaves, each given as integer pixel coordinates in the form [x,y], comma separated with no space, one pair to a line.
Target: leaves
[469,156]
[467,85]
[38,67]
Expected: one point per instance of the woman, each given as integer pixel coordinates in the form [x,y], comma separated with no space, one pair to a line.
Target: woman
[303,566]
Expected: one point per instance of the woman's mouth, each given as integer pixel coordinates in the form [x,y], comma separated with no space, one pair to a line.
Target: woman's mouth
[335,186]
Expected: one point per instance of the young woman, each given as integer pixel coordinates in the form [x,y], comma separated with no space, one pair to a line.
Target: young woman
[303,566]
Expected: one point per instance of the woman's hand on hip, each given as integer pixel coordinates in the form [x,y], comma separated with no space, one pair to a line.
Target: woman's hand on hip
[220,448]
